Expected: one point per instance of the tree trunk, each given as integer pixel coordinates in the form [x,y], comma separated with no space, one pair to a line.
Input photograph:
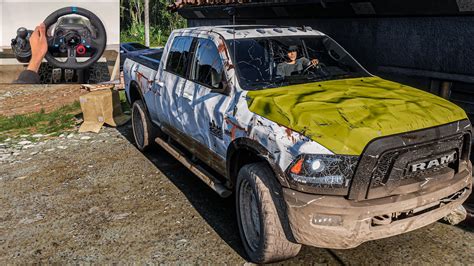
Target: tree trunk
[147,23]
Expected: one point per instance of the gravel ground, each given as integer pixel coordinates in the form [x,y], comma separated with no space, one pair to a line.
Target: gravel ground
[95,198]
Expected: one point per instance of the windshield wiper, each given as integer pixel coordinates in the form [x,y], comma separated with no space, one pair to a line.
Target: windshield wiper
[264,84]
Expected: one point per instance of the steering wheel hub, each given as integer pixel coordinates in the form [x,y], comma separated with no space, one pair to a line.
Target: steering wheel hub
[72,39]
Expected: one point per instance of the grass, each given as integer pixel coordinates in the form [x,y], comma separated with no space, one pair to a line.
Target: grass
[123,101]
[55,122]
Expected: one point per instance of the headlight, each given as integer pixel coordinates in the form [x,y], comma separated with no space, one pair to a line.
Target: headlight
[322,174]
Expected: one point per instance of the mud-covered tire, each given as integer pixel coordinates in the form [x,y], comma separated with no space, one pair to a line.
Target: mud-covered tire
[270,243]
[143,130]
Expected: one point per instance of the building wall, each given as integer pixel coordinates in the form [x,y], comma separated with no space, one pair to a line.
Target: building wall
[424,52]
[440,44]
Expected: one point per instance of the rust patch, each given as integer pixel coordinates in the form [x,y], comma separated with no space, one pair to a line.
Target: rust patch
[234,127]
[290,135]
[140,77]
[223,47]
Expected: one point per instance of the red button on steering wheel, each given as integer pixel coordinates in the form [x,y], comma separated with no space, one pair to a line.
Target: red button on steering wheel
[81,49]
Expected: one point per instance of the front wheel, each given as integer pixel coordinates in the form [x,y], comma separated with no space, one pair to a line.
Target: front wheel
[257,205]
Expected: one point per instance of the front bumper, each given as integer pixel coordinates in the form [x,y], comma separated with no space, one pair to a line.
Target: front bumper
[336,222]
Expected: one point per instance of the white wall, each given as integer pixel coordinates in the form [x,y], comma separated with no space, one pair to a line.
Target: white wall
[22,13]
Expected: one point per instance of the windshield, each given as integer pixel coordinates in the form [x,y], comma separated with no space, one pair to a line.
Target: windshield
[279,61]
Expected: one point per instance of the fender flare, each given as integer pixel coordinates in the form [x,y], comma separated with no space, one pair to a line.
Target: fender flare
[261,152]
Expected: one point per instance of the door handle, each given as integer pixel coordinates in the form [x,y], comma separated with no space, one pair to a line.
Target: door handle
[157,86]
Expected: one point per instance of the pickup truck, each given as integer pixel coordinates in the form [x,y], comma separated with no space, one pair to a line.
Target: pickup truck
[316,150]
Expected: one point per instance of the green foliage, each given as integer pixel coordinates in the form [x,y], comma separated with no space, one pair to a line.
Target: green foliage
[162,22]
[41,122]
[123,101]
[137,34]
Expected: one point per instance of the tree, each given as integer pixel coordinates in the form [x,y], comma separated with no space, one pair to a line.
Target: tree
[162,22]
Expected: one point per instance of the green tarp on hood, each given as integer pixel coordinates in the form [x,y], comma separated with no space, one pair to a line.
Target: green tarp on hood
[345,115]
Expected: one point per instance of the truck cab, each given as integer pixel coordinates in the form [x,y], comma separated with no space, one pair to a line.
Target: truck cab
[316,150]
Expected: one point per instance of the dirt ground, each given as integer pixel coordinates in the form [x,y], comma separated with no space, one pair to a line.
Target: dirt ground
[16,99]
[95,198]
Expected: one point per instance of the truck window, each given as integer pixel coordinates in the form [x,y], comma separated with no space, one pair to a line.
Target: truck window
[207,65]
[179,56]
[261,63]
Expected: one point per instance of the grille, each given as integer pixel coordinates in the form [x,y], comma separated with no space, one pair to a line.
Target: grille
[381,173]
[393,165]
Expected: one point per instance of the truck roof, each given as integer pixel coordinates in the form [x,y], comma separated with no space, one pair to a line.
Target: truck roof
[251,31]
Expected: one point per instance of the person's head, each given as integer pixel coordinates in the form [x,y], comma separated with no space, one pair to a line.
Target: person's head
[292,52]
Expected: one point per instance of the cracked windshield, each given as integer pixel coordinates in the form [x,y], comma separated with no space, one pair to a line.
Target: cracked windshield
[275,62]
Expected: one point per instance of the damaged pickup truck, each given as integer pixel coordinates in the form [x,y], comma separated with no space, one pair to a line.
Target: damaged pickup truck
[316,150]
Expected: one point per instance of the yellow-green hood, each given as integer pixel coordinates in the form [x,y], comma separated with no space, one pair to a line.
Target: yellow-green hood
[345,115]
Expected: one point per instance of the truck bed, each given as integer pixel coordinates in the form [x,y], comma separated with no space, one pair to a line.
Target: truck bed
[150,59]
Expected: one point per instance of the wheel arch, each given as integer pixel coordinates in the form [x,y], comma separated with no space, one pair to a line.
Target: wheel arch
[135,93]
[243,151]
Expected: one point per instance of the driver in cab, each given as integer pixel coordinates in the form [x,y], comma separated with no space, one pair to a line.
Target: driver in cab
[39,47]
[294,63]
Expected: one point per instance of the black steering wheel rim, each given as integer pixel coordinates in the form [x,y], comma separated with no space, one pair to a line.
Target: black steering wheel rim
[100,41]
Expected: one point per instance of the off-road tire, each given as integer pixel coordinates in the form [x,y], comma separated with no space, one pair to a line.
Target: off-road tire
[144,132]
[273,245]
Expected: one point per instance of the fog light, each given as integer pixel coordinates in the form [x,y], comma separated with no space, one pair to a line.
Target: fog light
[326,220]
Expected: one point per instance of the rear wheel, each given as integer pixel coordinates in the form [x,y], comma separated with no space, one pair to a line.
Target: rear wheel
[257,205]
[143,130]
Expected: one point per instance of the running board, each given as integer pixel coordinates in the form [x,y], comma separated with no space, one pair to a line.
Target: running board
[204,175]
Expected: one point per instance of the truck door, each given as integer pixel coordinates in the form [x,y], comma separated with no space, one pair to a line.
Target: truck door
[171,81]
[203,102]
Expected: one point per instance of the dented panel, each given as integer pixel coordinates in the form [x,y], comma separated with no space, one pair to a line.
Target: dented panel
[345,115]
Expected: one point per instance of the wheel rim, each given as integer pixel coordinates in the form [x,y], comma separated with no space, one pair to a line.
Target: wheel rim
[138,127]
[249,215]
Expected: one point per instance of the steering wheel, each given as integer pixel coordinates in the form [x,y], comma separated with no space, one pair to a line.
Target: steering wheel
[75,43]
[311,66]
[319,67]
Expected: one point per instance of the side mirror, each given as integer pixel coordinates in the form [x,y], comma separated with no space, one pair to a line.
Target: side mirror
[122,51]
[224,86]
[334,55]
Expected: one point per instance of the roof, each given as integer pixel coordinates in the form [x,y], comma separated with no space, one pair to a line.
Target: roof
[181,3]
[316,9]
[251,31]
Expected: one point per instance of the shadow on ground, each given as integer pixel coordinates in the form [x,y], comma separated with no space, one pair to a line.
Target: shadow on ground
[436,243]
[219,213]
